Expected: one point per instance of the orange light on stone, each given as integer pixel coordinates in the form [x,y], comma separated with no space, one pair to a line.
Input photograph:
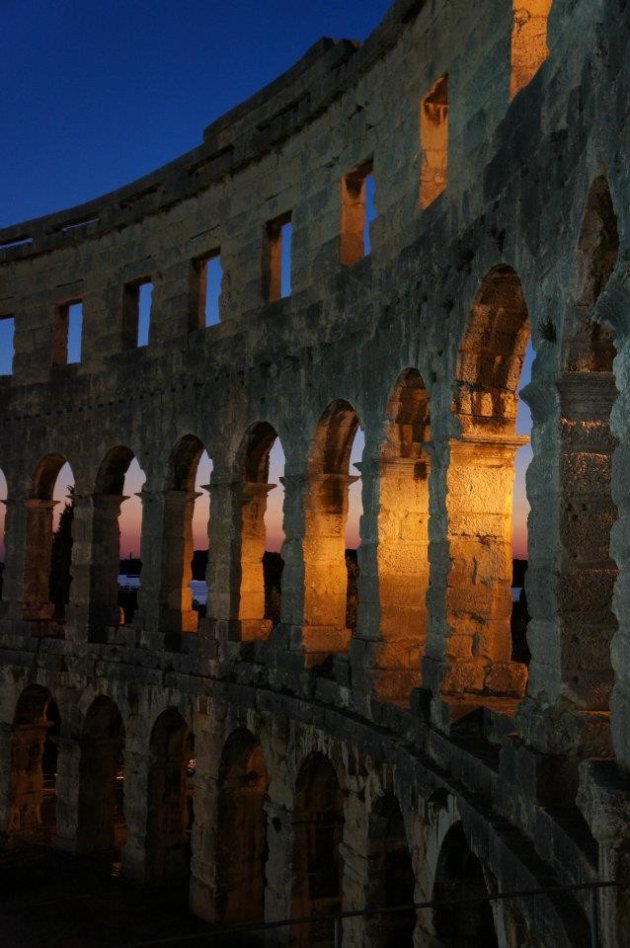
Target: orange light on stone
[529,41]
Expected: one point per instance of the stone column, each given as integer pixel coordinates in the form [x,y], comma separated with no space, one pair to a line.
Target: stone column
[254,626]
[67,787]
[147,615]
[27,779]
[176,611]
[15,556]
[208,728]
[292,605]
[473,653]
[134,855]
[78,609]
[37,603]
[279,867]
[105,564]
[6,730]
[394,576]
[324,629]
[223,575]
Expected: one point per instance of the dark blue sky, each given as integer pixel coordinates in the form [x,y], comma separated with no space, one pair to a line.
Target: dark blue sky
[96,93]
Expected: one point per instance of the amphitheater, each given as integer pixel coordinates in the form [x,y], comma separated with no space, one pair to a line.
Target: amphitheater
[305,767]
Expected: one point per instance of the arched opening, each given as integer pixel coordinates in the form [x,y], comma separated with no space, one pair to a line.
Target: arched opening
[317,862]
[459,876]
[170,800]
[109,606]
[242,830]
[520,518]
[402,539]
[260,531]
[102,827]
[326,563]
[48,545]
[391,880]
[185,507]
[480,485]
[587,511]
[36,725]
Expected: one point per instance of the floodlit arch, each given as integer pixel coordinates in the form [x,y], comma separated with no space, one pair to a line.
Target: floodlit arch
[391,880]
[46,577]
[459,876]
[480,482]
[34,765]
[317,862]
[170,805]
[325,628]
[256,611]
[242,830]
[402,539]
[176,601]
[102,825]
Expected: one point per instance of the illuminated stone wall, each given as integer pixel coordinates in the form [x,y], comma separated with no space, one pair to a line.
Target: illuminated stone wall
[422,713]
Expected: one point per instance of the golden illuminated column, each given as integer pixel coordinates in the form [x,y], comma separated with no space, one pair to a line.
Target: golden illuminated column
[394,573]
[474,654]
[324,628]
[27,779]
[176,611]
[251,612]
[105,564]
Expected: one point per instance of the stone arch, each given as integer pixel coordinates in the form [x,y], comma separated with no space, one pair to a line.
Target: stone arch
[479,491]
[176,608]
[242,830]
[402,539]
[326,509]
[587,511]
[39,543]
[105,565]
[101,824]
[391,880]
[33,801]
[253,464]
[459,876]
[169,800]
[317,862]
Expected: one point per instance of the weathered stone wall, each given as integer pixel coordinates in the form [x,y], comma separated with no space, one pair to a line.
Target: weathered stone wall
[421,344]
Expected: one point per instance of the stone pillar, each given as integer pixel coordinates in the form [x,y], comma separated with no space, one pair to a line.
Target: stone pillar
[279,867]
[15,556]
[27,780]
[223,576]
[105,564]
[78,609]
[6,730]
[254,625]
[473,653]
[394,575]
[292,605]
[37,603]
[134,855]
[208,728]
[147,614]
[67,787]
[324,629]
[176,611]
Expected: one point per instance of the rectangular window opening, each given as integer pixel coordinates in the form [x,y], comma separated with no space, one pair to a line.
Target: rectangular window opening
[278,265]
[7,344]
[210,281]
[434,142]
[68,333]
[137,303]
[529,41]
[358,211]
